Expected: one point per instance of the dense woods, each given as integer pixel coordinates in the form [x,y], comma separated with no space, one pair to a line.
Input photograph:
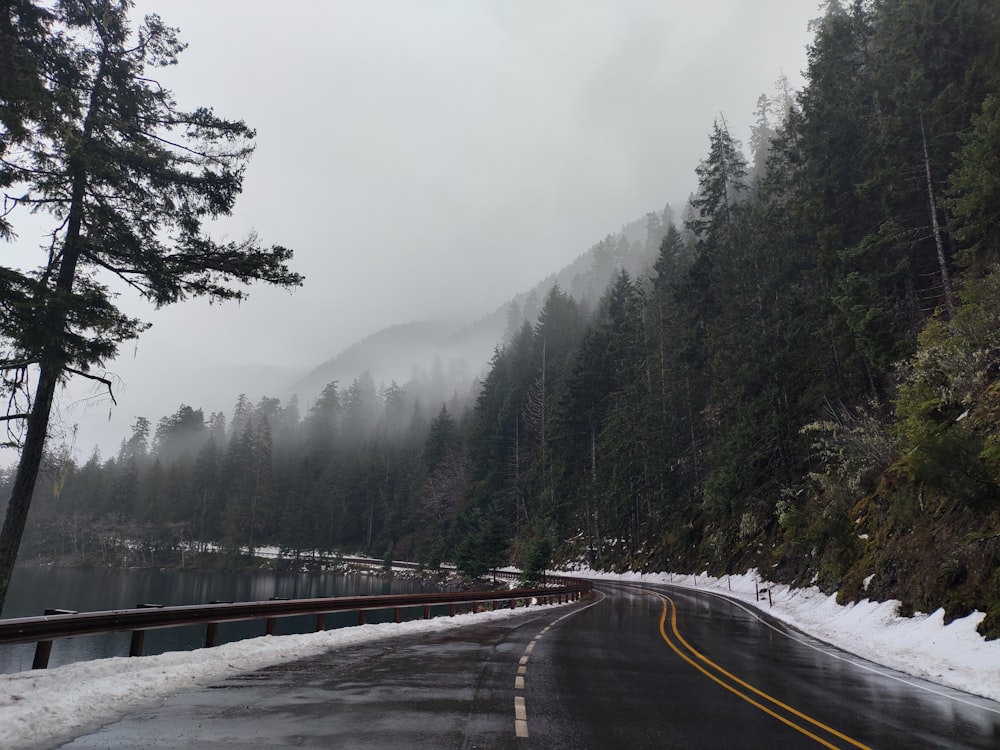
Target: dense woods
[805,379]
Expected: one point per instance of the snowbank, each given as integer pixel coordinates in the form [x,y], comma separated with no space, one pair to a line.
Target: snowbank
[923,646]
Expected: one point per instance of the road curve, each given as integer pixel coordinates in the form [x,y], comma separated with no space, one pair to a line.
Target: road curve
[661,667]
[637,667]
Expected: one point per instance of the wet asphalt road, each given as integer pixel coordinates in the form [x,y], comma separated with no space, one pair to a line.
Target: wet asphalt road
[608,678]
[634,669]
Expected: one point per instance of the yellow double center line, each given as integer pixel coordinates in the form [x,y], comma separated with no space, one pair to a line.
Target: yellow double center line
[668,603]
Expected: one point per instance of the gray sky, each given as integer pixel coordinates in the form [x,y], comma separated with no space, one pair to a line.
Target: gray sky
[435,158]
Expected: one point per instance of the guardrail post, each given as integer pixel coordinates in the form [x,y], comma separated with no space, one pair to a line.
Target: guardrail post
[272,622]
[451,609]
[135,646]
[42,651]
[139,636]
[396,615]
[361,617]
[212,635]
[427,611]
[321,621]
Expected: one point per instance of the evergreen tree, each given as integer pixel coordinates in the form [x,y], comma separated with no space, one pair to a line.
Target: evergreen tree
[128,178]
[180,436]
[24,99]
[322,424]
[442,439]
[483,539]
[247,481]
[721,186]
[360,410]
[496,439]
[206,521]
[975,189]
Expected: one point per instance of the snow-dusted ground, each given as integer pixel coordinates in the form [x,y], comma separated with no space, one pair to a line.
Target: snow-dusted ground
[42,707]
[954,655]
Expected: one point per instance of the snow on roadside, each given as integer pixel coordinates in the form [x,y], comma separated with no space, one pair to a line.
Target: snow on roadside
[43,707]
[954,655]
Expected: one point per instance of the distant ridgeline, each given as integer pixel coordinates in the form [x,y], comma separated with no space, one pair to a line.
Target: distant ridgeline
[799,373]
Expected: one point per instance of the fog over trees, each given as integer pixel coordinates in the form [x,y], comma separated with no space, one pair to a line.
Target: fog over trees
[798,371]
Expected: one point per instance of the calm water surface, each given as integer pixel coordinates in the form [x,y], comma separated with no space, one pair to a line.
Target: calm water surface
[35,589]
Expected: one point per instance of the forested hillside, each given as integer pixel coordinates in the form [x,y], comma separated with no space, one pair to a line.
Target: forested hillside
[807,379]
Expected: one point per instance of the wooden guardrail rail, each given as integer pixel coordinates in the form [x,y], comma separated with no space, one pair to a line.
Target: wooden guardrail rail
[56,624]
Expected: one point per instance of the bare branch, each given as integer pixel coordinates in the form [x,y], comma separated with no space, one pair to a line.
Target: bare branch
[98,378]
[152,81]
[10,417]
[36,201]
[219,158]
[28,170]
[121,273]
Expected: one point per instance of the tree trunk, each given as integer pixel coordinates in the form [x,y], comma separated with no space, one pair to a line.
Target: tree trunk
[49,372]
[949,299]
[52,361]
[24,483]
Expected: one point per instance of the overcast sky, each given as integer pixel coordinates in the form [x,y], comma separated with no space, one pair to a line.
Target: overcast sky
[435,158]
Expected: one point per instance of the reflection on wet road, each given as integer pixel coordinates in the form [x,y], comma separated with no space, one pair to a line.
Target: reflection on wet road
[652,667]
[787,715]
[679,668]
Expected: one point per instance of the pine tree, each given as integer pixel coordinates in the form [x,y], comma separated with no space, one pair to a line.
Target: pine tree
[180,436]
[129,178]
[721,186]
[24,28]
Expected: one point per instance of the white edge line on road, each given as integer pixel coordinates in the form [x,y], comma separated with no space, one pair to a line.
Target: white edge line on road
[790,634]
[520,712]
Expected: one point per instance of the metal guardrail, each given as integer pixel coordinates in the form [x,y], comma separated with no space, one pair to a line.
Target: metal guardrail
[56,624]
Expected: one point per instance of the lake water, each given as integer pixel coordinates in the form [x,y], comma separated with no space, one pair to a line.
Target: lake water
[35,589]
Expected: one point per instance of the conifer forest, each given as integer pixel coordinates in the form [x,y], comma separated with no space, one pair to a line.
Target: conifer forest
[804,378]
